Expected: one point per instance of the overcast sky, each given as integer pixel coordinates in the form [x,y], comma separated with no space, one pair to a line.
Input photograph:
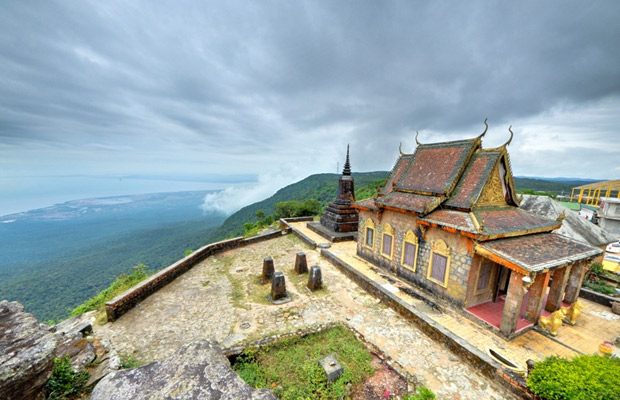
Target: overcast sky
[278,88]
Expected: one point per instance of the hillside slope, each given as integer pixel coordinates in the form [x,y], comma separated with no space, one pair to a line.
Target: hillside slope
[322,187]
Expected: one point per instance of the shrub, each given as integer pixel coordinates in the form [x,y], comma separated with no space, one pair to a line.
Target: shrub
[65,382]
[122,283]
[421,393]
[585,377]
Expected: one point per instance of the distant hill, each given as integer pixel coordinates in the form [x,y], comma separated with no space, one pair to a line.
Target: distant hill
[54,258]
[545,185]
[322,187]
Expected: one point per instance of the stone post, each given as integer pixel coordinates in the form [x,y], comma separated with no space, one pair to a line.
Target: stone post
[268,270]
[556,291]
[315,278]
[512,306]
[575,279]
[278,286]
[301,266]
[536,296]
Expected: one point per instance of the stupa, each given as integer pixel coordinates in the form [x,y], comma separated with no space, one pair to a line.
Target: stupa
[339,221]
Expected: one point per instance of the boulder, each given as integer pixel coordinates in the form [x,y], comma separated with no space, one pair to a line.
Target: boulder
[197,371]
[615,307]
[27,353]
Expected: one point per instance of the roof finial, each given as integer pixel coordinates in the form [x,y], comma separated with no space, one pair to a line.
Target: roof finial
[400,145]
[347,166]
[416,138]
[486,127]
[511,135]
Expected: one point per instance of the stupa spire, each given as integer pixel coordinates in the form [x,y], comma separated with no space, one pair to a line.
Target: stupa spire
[347,165]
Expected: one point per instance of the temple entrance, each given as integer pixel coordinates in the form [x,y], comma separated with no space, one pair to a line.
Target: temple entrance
[492,311]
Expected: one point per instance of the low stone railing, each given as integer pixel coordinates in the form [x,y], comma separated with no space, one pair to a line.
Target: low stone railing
[131,297]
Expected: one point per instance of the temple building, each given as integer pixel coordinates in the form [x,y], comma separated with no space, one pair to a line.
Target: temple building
[339,221]
[448,220]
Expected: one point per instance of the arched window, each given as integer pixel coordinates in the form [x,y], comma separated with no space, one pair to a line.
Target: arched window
[439,267]
[387,242]
[369,233]
[410,251]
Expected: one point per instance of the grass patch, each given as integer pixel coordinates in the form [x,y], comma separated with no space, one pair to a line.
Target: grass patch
[129,362]
[290,367]
[121,284]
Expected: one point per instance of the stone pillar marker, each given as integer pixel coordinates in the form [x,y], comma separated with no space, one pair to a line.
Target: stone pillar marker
[556,291]
[315,278]
[512,306]
[536,296]
[301,266]
[278,286]
[268,270]
[575,279]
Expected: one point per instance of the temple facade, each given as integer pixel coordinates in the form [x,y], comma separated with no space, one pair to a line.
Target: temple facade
[448,221]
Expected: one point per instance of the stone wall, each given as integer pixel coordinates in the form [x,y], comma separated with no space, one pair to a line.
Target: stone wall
[128,299]
[461,254]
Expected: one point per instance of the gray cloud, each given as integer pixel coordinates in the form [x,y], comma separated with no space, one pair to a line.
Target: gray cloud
[237,87]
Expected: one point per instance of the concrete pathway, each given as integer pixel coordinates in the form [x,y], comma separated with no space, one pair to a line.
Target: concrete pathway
[221,299]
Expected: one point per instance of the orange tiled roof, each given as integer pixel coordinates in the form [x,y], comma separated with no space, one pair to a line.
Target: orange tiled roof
[537,252]
[408,201]
[452,219]
[475,176]
[435,168]
[504,221]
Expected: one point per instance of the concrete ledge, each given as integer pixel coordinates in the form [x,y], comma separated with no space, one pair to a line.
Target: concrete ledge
[596,297]
[475,357]
[284,222]
[131,297]
[330,235]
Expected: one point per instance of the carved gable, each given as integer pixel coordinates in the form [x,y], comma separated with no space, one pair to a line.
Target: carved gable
[493,191]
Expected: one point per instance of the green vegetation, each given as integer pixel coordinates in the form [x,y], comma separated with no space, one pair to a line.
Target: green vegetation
[72,269]
[289,367]
[593,280]
[537,193]
[369,190]
[585,377]
[122,283]
[322,187]
[252,229]
[127,363]
[421,393]
[294,208]
[64,382]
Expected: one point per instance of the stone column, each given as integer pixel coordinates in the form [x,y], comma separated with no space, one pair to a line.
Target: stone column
[512,306]
[278,286]
[268,270]
[536,296]
[315,278]
[556,291]
[301,266]
[575,279]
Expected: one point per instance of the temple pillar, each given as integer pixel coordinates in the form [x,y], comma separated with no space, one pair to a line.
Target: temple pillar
[512,306]
[575,279]
[536,296]
[556,291]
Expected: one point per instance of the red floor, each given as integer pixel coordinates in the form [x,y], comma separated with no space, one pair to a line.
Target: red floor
[492,313]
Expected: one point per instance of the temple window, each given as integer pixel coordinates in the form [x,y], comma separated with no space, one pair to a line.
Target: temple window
[439,268]
[369,232]
[484,276]
[410,251]
[387,242]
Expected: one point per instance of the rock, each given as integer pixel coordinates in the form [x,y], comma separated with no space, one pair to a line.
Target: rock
[232,339]
[27,355]
[332,368]
[77,348]
[197,371]
[615,307]
[108,363]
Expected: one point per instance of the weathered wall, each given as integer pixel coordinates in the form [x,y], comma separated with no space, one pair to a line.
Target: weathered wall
[461,254]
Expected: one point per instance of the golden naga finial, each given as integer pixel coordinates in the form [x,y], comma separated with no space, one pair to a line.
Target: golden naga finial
[561,217]
[416,138]
[486,127]
[511,135]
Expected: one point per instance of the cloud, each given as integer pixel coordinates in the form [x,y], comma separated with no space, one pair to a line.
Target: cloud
[233,198]
[229,87]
